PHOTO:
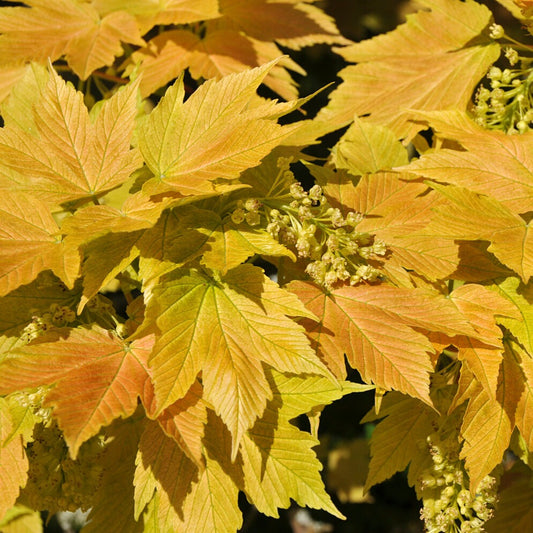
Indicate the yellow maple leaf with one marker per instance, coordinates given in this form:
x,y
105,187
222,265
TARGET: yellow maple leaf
x,y
212,135
61,155
50,30
13,461
150,13
212,327
433,61
114,375
374,328
490,162
29,243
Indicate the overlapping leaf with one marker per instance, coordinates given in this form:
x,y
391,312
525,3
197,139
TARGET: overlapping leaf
x,y
13,461
212,135
97,377
483,308
152,12
162,465
419,65
213,328
50,30
491,163
396,439
472,216
63,156
118,465
29,243
373,327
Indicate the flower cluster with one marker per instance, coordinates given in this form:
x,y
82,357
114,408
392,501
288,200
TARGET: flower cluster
x,y
56,482
306,222
449,506
508,104
56,316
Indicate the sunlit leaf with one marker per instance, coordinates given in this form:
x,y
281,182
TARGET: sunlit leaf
x,y
419,65
97,377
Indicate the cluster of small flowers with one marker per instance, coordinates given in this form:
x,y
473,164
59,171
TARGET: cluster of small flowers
x,y
56,482
306,222
448,505
56,316
508,104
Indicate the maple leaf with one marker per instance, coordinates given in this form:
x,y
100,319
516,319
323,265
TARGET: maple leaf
x,y
419,65
472,216
520,295
294,25
396,439
65,28
482,307
118,467
212,503
490,162
488,422
10,75
373,327
30,244
514,514
66,157
113,374
276,471
366,148
13,460
231,244
218,53
184,421
214,328
150,13
212,135
161,464
278,462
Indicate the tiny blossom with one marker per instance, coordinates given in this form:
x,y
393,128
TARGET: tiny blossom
x,y
252,218
238,215
315,193
352,218
512,55
496,31
297,191
283,163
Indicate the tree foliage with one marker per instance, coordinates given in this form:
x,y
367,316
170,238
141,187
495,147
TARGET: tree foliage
x,y
167,177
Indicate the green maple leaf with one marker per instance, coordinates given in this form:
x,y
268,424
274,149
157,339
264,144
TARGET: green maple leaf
x,y
113,374
64,156
419,65
212,327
